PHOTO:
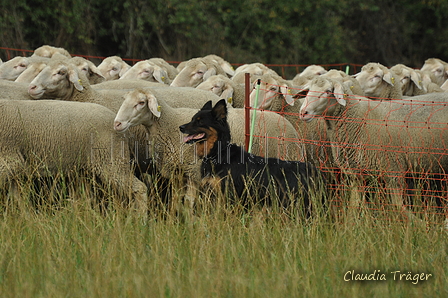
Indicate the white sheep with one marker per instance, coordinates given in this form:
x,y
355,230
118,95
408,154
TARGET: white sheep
x,y
388,139
275,95
93,74
437,67
32,71
225,88
48,51
354,85
379,82
254,69
195,71
13,90
411,81
226,66
153,70
312,70
127,84
162,121
12,68
61,79
52,137
113,67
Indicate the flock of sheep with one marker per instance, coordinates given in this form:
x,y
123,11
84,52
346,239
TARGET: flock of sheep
x,y
65,114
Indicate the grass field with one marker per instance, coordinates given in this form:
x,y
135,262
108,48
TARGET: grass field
x,y
73,249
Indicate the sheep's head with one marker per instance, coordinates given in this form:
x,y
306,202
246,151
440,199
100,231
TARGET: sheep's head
x,y
139,106
438,67
271,88
89,69
374,77
323,95
219,85
12,68
57,80
113,68
195,72
147,71
407,77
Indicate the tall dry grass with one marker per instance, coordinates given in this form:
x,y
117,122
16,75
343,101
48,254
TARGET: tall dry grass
x,y
58,241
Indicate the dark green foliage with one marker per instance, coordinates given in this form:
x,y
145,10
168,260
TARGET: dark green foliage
x,y
271,32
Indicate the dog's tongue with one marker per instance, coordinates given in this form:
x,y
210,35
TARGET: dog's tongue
x,y
193,137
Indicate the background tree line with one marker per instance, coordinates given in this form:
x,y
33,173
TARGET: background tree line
x,y
267,31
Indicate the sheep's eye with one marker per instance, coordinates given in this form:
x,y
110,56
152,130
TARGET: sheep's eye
x,y
273,88
200,72
61,72
114,69
84,69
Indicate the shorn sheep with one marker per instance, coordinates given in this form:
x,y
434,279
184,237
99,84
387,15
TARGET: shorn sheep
x,y
52,137
388,139
379,82
153,70
113,67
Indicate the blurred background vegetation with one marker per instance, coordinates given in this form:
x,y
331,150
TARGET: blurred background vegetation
x,y
266,31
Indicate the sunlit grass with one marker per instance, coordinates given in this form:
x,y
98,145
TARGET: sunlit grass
x,y
73,248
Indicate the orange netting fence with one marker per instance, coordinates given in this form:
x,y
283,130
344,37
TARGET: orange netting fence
x,y
401,154
390,154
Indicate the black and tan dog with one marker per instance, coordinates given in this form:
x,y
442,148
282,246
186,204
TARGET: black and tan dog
x,y
249,178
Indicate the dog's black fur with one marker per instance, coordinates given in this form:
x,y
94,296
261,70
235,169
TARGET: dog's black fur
x,y
253,179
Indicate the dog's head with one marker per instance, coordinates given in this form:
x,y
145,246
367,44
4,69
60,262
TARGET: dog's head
x,y
207,127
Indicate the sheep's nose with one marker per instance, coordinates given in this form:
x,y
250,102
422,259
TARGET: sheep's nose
x,y
117,125
32,87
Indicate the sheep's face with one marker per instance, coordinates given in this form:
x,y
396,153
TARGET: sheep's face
x,y
113,68
267,92
12,68
438,68
371,80
322,97
193,74
54,81
138,107
213,84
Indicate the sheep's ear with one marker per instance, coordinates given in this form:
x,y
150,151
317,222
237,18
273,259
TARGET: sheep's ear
x,y
74,79
160,75
210,72
219,111
415,77
286,92
124,68
96,73
208,106
389,78
227,93
153,105
339,93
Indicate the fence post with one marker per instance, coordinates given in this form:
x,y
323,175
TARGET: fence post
x,y
247,109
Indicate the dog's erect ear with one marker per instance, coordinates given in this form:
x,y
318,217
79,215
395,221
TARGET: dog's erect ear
x,y
208,106
219,111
